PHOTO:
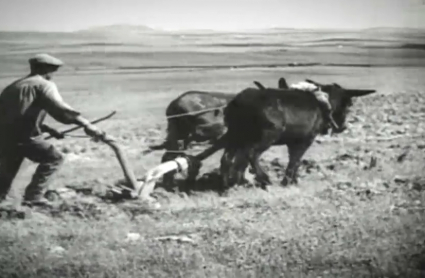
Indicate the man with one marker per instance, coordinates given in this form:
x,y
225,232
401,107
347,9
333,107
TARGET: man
x,y
24,105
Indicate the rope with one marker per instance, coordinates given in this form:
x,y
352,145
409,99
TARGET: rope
x,y
196,112
77,136
175,151
214,123
341,140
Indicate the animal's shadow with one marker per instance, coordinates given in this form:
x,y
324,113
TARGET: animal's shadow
x,y
212,181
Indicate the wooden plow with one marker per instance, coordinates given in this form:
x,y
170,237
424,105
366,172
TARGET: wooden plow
x,y
136,188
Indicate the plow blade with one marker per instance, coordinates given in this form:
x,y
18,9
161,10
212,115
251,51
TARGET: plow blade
x,y
142,188
146,185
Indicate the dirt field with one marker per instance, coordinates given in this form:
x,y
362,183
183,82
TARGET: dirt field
x,y
348,217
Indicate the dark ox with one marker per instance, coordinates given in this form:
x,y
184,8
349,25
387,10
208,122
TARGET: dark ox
x,y
195,116
258,119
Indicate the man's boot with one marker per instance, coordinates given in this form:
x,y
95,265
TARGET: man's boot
x,y
34,197
34,193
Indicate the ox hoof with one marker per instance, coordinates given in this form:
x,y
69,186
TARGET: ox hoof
x,y
262,182
286,181
224,193
262,185
183,195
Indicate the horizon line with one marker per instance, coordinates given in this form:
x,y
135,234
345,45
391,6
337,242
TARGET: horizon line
x,y
159,29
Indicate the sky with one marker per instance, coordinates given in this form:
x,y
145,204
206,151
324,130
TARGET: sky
x,y
72,15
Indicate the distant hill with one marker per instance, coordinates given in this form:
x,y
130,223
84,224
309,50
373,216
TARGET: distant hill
x,y
120,28
393,30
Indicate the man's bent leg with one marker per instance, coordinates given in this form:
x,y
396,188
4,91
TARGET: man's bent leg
x,y
50,160
9,168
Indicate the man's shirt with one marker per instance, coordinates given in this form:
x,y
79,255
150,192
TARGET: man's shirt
x,y
24,105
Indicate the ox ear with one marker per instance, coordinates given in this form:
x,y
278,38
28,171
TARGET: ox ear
x,y
259,85
282,83
359,93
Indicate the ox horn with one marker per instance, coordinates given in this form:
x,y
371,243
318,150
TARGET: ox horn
x,y
313,82
359,92
259,85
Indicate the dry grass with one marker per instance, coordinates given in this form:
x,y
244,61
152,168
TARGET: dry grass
x,y
343,220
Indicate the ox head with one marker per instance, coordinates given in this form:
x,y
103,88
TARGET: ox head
x,y
341,100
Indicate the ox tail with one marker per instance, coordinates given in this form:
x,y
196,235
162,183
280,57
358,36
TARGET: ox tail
x,y
175,125
218,145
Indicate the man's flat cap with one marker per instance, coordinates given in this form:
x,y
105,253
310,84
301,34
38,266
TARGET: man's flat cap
x,y
45,59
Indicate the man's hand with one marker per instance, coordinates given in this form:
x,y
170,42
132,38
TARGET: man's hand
x,y
93,132
89,128
56,134
53,132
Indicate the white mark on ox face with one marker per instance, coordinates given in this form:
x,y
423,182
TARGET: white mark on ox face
x,y
199,102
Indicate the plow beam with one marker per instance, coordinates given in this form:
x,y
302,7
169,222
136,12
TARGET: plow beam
x,y
148,185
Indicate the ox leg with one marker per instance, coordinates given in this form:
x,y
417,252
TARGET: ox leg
x,y
241,163
227,169
233,165
296,152
261,177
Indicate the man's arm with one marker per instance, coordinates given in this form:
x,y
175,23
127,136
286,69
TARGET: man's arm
x,y
56,107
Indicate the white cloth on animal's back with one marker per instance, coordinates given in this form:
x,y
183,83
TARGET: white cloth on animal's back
x,y
316,91
305,86
24,104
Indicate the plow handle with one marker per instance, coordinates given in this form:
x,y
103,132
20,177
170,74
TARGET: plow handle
x,y
125,166
78,127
